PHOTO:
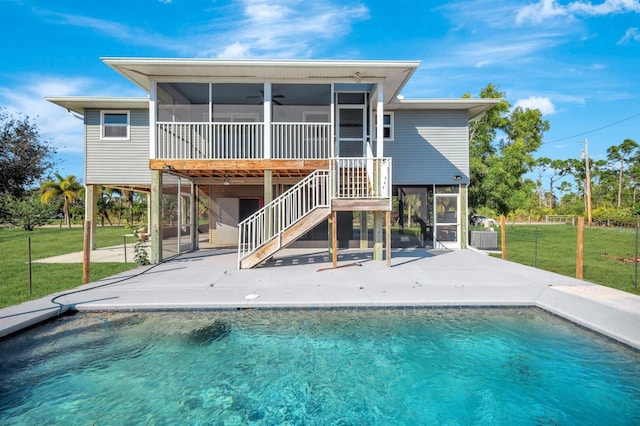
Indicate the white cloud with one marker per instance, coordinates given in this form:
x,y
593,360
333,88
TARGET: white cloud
x,y
631,35
26,97
281,29
545,9
249,28
235,51
545,105
608,7
540,11
117,30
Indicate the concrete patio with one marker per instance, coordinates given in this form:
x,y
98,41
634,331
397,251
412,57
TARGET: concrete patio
x,y
305,278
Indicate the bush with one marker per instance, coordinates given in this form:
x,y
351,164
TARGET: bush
x,y
614,216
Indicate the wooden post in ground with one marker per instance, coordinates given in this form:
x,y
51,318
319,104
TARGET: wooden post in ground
x,y
155,233
86,253
388,236
503,237
91,212
364,231
334,237
378,220
580,248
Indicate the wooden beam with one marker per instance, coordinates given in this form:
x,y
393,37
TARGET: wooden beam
x,y
230,165
359,205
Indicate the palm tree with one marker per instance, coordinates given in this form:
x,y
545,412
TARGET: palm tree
x,y
66,188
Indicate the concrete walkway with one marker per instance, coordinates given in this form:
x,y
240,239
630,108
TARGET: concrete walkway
x,y
209,279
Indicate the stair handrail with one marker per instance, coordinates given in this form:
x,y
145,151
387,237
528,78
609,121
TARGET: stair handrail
x,y
282,212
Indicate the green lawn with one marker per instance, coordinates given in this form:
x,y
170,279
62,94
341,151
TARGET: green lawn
x,y
50,278
605,252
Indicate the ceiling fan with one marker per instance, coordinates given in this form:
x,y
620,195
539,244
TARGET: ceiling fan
x,y
274,98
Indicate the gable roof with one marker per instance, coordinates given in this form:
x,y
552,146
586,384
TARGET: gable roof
x,y
141,71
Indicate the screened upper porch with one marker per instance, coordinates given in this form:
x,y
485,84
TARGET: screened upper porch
x,y
231,121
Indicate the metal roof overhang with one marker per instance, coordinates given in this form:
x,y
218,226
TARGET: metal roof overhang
x,y
474,107
394,74
79,103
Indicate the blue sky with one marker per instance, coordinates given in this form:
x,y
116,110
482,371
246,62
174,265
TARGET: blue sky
x,y
577,61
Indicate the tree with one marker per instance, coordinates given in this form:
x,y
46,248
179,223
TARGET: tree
x,y
482,133
497,165
65,189
620,156
24,156
558,169
28,211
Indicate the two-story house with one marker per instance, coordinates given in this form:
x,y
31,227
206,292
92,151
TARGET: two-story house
x,y
279,150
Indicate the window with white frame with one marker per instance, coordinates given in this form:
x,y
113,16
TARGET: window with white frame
x,y
115,125
387,125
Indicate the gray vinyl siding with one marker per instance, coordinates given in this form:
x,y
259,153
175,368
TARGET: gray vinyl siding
x,y
117,162
429,147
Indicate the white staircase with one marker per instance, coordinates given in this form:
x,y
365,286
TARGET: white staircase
x,y
284,219
357,184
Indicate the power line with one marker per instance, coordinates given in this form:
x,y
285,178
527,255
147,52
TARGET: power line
x,y
594,130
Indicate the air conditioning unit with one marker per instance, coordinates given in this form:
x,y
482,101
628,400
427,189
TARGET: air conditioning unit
x,y
484,240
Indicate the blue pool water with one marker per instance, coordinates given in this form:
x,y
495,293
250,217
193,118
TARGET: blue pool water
x,y
343,367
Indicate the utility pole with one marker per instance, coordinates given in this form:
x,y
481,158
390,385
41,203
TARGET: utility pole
x,y
587,180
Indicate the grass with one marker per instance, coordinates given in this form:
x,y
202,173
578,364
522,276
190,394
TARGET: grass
x,y
49,278
607,258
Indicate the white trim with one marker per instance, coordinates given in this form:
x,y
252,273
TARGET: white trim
x,y
115,112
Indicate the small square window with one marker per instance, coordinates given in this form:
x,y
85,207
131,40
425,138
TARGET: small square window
x,y
115,125
387,126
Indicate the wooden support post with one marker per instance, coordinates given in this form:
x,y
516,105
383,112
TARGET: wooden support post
x,y
334,237
378,220
91,204
156,216
364,231
86,253
503,237
388,225
580,248
268,197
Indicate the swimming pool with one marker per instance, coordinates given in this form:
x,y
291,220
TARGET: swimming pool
x,y
394,366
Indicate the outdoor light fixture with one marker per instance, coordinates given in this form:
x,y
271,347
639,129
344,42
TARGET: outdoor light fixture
x,y
226,181
457,177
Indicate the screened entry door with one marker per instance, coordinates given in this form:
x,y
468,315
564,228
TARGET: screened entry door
x,y
447,207
352,124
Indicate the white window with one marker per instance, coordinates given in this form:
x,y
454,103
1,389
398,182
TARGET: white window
x,y
387,126
115,125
